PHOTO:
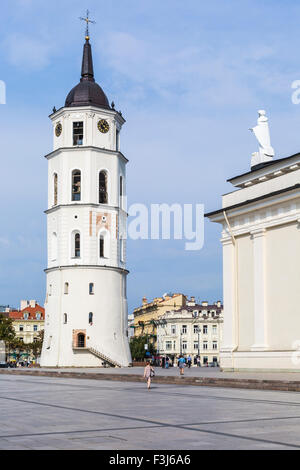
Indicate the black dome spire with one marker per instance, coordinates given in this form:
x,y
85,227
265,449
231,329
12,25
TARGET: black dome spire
x,y
87,92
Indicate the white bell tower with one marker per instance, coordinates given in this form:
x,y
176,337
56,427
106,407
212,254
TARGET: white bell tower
x,y
86,305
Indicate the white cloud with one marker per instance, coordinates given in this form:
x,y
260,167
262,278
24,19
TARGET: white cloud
x,y
217,75
28,52
4,242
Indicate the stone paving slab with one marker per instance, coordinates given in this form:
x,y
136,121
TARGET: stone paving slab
x,y
193,376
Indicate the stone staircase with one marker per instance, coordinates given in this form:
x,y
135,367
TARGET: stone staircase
x,y
104,358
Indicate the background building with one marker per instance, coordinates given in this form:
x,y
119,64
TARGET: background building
x,y
5,309
130,325
146,316
29,321
195,330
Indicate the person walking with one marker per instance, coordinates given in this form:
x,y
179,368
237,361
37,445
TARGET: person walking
x,y
189,361
181,364
148,374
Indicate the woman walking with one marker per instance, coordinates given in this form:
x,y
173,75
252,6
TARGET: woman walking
x,y
181,364
148,373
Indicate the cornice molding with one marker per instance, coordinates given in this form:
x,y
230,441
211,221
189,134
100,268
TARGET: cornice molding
x,y
86,204
259,232
86,147
83,109
85,266
258,202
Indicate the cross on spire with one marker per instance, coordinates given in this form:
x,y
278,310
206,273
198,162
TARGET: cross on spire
x,y
88,21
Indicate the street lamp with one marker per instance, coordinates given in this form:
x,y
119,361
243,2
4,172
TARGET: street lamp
x,y
180,342
198,331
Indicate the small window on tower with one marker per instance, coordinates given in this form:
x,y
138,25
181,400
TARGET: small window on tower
x,y
77,245
65,318
66,288
103,199
76,185
91,289
78,133
91,317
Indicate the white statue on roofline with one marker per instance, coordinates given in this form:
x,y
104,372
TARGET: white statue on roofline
x,y
262,133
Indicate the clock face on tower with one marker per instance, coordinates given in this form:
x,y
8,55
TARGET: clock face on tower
x,y
58,129
103,126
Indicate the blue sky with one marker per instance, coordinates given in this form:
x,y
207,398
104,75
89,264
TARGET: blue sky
x,y
188,76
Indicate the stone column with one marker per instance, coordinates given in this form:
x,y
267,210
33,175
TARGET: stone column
x,y
230,331
260,314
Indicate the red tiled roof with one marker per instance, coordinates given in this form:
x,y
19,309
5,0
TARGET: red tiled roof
x,y
32,311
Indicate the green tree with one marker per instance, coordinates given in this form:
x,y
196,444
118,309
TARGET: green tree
x,y
7,331
137,347
36,346
18,346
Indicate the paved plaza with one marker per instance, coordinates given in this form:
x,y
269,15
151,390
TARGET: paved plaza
x,y
57,413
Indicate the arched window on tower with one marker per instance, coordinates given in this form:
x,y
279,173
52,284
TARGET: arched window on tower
x,y
66,291
55,192
76,245
91,317
102,245
122,250
91,289
54,247
117,140
76,185
81,340
121,191
103,196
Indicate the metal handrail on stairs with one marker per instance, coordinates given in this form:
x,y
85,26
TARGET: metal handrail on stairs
x,y
104,357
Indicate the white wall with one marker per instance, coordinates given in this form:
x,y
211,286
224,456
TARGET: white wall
x,y
283,286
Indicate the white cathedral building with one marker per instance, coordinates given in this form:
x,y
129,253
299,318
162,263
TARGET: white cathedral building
x,y
261,262
86,318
